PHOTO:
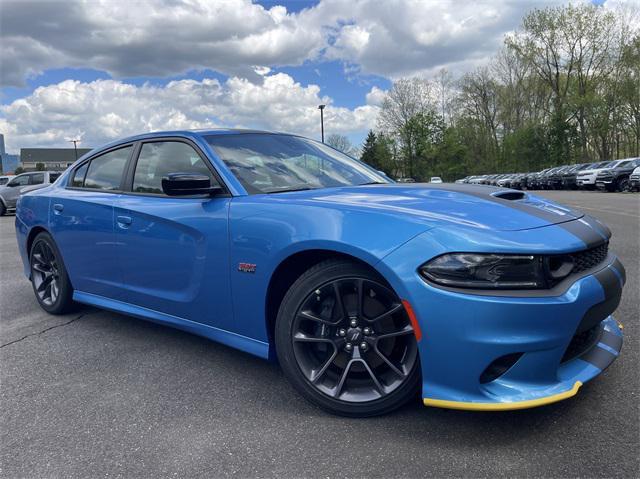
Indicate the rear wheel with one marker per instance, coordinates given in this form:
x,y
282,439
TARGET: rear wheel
x,y
49,277
345,341
3,209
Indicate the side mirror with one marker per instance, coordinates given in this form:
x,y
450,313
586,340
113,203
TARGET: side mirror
x,y
188,184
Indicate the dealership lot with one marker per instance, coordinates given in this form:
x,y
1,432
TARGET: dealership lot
x,y
97,393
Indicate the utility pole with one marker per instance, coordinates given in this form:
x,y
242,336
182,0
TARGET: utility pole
x,y
75,147
321,108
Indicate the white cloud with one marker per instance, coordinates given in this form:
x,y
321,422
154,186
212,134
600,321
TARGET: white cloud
x,y
151,37
391,38
104,110
376,96
398,38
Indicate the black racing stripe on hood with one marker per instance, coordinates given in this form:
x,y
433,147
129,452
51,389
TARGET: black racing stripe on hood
x,y
597,225
485,192
588,233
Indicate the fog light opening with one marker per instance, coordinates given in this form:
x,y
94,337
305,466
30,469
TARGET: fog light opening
x,y
498,367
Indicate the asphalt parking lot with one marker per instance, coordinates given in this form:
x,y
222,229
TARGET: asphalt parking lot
x,y
101,394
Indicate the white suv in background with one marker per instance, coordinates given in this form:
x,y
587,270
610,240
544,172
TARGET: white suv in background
x,y
634,179
587,178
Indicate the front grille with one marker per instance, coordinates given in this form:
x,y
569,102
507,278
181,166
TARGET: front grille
x,y
587,259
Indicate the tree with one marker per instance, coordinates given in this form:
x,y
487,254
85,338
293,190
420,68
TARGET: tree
x,y
40,167
377,152
341,143
406,99
18,170
368,154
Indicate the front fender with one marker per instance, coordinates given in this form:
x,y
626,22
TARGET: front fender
x,y
265,235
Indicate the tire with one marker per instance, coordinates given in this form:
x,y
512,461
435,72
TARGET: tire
x,y
49,277
622,184
335,327
3,209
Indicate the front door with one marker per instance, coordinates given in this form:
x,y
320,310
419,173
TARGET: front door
x,y
173,251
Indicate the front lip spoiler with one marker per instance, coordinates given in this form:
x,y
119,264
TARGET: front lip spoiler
x,y
503,406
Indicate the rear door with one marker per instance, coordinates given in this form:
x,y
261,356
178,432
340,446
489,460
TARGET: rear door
x,y
82,222
173,251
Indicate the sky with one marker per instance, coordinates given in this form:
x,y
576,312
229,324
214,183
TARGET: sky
x,y
99,70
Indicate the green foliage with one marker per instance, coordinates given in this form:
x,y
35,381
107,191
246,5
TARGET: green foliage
x,y
564,89
40,167
18,170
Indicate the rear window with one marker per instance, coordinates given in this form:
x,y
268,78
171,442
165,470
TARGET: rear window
x,y
105,171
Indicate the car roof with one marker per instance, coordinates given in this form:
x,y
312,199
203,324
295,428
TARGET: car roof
x,y
183,133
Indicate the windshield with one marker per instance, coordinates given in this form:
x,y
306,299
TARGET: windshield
x,y
272,163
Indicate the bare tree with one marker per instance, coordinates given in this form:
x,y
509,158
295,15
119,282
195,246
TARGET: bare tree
x,y
341,143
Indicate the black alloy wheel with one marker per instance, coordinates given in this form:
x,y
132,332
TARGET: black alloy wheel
x,y
49,277
623,184
345,341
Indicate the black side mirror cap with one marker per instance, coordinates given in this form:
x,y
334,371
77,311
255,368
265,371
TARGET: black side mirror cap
x,y
189,184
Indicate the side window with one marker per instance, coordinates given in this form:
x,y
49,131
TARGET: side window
x,y
158,159
105,171
37,178
53,177
21,180
78,176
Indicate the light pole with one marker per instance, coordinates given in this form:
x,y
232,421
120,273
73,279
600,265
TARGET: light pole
x,y
321,108
75,147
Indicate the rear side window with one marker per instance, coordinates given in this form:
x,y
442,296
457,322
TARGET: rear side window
x,y
158,159
37,178
53,177
105,171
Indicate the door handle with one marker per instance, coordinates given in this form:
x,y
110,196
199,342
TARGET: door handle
x,y
124,221
57,208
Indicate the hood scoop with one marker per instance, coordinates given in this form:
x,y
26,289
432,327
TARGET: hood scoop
x,y
510,195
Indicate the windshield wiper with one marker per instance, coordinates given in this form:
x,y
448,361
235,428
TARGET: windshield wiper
x,y
374,183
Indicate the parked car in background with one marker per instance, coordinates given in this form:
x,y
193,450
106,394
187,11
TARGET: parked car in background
x,y
617,178
10,192
586,178
405,180
435,179
634,179
569,176
5,179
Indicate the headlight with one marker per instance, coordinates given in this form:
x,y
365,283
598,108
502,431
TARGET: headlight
x,y
487,271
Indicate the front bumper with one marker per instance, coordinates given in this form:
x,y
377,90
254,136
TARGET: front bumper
x,y
603,183
463,334
586,180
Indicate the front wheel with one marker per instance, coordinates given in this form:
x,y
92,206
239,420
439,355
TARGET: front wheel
x,y
49,277
623,184
345,342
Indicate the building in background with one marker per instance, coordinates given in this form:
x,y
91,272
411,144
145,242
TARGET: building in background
x,y
8,163
51,158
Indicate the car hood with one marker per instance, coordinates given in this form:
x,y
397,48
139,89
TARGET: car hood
x,y
436,205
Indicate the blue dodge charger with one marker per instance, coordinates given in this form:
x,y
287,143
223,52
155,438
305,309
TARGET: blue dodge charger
x,y
365,291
